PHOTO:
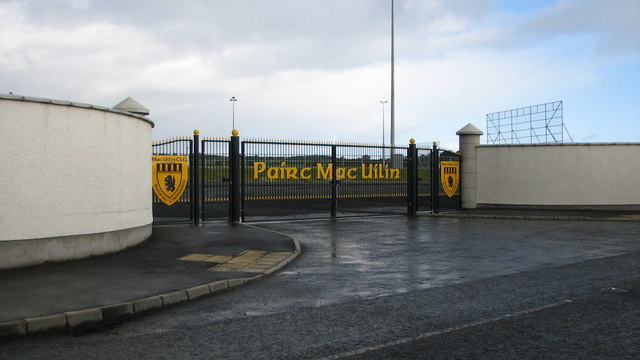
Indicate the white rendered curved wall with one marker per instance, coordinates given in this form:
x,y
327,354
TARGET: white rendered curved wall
x,y
74,180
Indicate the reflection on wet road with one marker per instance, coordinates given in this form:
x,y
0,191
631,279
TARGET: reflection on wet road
x,y
377,256
379,287
383,255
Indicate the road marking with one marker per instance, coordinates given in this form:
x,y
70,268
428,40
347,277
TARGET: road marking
x,y
444,331
624,217
253,261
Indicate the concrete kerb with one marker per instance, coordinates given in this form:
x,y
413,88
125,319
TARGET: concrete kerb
x,y
78,320
290,258
82,318
526,217
48,323
117,312
13,328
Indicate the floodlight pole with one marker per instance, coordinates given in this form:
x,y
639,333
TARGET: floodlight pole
x,y
233,112
383,102
392,139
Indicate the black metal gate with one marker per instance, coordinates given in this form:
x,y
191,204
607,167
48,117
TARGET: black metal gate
x,y
372,179
257,180
286,180
425,164
215,178
446,200
313,180
182,210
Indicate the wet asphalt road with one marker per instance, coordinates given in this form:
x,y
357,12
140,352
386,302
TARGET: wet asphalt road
x,y
404,288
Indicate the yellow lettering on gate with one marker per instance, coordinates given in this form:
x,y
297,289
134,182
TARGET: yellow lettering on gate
x,y
305,173
258,167
273,173
364,171
292,173
322,173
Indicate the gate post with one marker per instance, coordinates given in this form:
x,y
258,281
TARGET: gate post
x,y
435,178
413,178
242,181
469,139
334,182
195,183
234,171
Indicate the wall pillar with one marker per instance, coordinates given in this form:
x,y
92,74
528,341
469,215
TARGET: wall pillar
x,y
469,139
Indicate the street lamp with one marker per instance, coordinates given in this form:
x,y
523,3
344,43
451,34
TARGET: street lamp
x,y
383,102
233,114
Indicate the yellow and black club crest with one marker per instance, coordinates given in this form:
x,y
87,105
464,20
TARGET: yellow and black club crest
x,y
450,177
170,175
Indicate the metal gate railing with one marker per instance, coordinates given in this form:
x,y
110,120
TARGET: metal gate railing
x,y
424,175
255,180
446,177
375,179
215,178
285,180
182,210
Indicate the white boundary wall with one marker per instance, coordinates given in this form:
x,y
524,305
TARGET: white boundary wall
x,y
75,180
564,175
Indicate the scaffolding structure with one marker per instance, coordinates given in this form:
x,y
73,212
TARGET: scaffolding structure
x,y
535,124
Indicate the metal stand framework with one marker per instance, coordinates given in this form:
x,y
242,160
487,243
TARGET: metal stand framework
x,y
528,125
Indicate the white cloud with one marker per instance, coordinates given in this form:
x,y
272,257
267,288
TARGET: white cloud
x,y
317,70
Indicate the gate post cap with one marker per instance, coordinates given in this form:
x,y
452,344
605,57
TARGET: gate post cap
x,y
412,141
469,130
196,132
234,132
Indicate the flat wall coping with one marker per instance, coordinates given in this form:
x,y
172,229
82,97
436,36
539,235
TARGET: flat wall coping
x,y
73,104
563,144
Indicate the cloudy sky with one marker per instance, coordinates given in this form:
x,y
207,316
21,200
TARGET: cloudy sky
x,y
318,69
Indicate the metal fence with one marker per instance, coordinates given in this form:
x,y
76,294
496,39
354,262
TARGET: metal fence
x,y
182,210
373,181
215,178
442,200
256,180
424,179
285,180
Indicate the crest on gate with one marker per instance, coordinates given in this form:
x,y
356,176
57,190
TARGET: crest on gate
x,y
170,175
450,176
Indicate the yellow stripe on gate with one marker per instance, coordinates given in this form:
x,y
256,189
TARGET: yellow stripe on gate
x,y
308,197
